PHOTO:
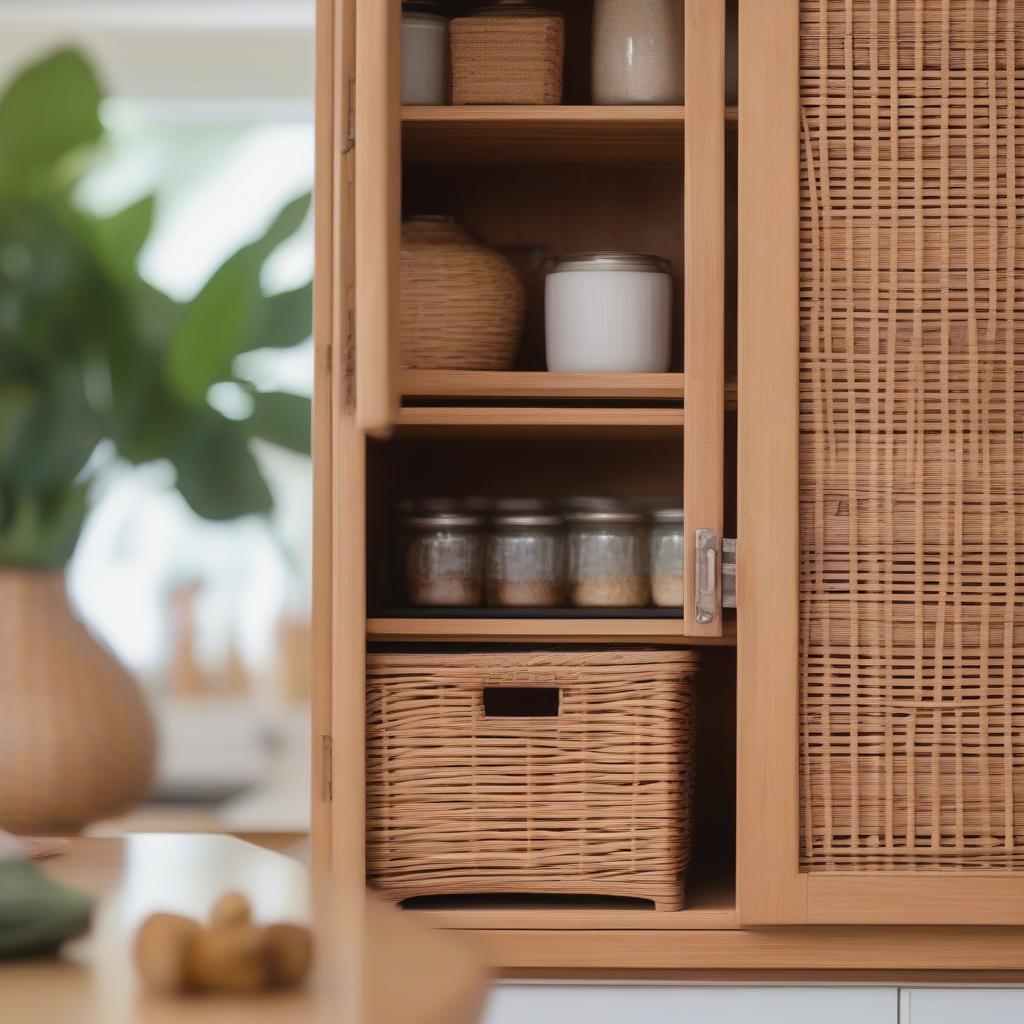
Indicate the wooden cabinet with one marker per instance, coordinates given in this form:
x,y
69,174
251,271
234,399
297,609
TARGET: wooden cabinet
x,y
842,399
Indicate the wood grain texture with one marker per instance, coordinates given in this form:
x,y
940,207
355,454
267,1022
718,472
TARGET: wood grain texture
x,y
874,949
551,418
348,490
323,427
769,886
704,292
378,214
664,631
644,136
468,384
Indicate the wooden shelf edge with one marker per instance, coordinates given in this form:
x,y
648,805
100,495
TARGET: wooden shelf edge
x,y
662,631
560,114
470,416
574,113
540,385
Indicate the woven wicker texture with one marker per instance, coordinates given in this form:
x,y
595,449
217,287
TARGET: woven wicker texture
x,y
462,304
912,451
76,739
595,801
507,60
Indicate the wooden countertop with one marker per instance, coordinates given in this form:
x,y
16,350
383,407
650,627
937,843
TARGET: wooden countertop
x,y
373,964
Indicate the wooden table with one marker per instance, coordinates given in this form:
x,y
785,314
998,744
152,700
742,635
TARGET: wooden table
x,y
373,964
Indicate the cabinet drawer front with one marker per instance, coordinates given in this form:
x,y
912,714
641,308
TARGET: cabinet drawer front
x,y
960,1006
608,1004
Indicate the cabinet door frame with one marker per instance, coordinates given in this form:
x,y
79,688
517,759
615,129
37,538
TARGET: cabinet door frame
x,y
339,451
771,888
704,291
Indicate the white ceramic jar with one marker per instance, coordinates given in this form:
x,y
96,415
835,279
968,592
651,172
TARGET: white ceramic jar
x,y
424,49
637,53
608,313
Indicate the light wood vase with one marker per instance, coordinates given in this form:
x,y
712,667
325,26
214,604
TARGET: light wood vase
x,y
77,742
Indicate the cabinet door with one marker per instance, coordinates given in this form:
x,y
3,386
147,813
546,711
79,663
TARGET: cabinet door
x,y
375,135
704,313
960,1005
881,472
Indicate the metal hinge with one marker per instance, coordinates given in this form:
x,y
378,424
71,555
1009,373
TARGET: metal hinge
x,y
326,769
715,575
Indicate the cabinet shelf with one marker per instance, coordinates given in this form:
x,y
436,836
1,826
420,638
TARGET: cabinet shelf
x,y
710,905
523,421
644,135
542,630
472,385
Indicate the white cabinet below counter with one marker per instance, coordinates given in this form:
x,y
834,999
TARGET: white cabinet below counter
x,y
563,1003
961,1005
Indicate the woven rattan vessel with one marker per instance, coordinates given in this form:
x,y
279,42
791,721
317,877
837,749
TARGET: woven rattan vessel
x,y
912,436
588,792
76,739
462,305
507,59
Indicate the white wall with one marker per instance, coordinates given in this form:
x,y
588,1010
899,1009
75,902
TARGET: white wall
x,y
212,53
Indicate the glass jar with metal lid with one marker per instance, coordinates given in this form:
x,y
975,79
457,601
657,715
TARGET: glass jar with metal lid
x,y
666,545
608,312
444,560
525,561
608,563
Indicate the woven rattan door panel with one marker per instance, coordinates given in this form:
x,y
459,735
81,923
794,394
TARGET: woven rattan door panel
x,y
911,452
879,676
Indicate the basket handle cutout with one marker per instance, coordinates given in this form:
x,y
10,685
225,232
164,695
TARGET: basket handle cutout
x,y
521,701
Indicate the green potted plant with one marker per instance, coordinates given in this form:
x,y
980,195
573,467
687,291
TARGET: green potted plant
x,y
94,360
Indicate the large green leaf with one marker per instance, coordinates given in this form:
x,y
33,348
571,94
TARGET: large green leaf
x,y
287,319
217,474
39,532
56,437
227,316
50,109
120,238
281,419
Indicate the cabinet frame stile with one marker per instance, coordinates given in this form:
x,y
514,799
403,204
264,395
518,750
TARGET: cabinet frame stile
x,y
704,294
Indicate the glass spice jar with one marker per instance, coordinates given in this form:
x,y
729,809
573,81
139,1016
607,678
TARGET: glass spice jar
x,y
525,562
666,544
608,559
444,560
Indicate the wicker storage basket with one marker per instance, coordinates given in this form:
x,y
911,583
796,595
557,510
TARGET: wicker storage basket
x,y
541,772
462,304
507,59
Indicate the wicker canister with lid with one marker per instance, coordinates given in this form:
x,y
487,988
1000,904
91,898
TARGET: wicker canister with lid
x,y
462,304
507,51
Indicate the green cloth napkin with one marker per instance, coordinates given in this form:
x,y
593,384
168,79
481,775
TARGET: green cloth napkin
x,y
37,915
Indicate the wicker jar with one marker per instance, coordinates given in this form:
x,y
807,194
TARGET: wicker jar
x,y
76,740
508,52
462,303
545,772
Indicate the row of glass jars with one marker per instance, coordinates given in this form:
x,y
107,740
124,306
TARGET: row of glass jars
x,y
522,554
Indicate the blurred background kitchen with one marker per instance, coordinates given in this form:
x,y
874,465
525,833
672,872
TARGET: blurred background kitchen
x,y
155,371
